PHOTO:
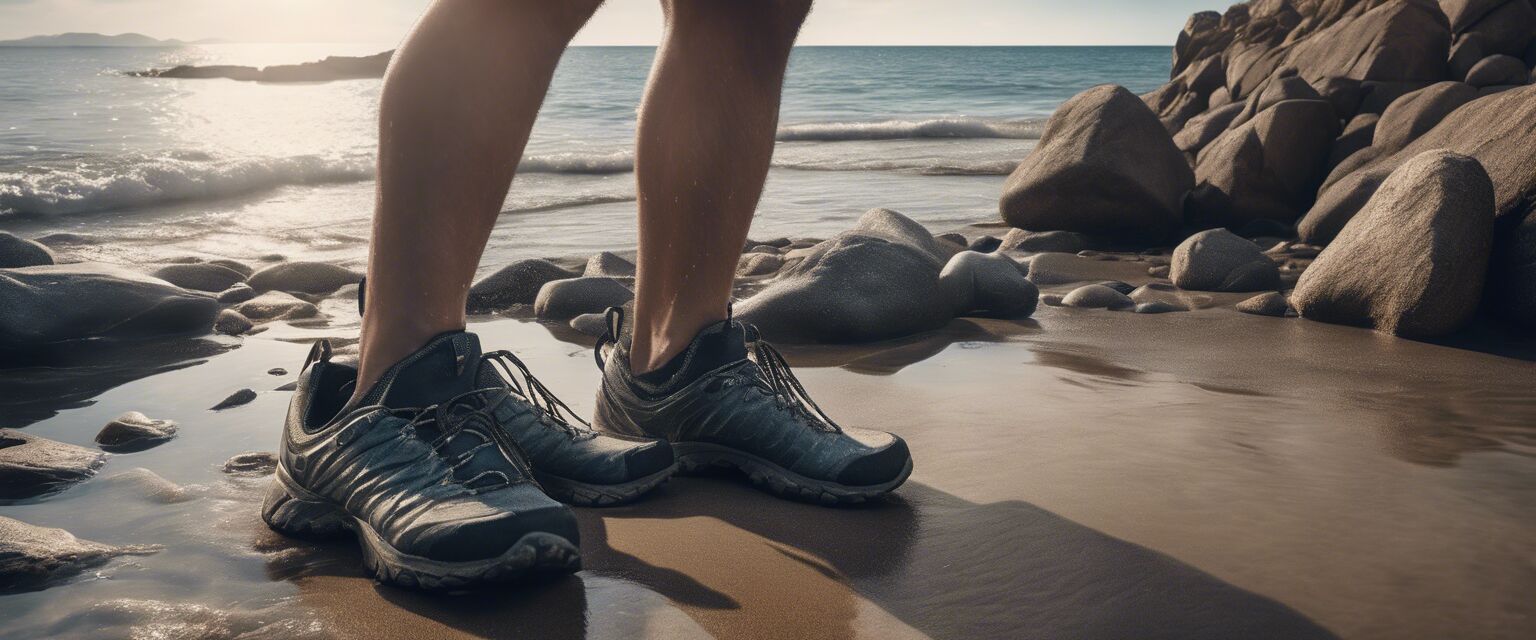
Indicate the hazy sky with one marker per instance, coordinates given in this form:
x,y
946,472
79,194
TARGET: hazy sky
x,y
621,21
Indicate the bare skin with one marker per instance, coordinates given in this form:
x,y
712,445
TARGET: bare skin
x,y
458,104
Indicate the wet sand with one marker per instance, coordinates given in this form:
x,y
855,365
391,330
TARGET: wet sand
x,y
1086,474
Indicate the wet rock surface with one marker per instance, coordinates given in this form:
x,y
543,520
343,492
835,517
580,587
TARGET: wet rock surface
x,y
21,252
241,397
251,463
33,557
303,277
32,466
134,431
44,305
516,283
564,299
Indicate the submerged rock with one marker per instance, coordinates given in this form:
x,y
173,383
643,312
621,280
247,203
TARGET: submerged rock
x,y
134,431
204,276
516,283
1412,263
318,278
21,252
1097,296
31,466
1218,260
251,463
565,299
231,323
34,557
277,305
44,305
1104,166
243,396
237,293
1158,306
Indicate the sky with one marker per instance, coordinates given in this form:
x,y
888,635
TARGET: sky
x,y
622,22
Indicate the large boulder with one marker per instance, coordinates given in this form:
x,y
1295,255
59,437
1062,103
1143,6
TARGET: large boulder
x,y
516,283
21,252
1202,37
1268,168
1496,130
566,299
878,280
201,276
1218,260
1405,40
31,466
316,278
608,264
1202,129
1105,165
34,557
1410,116
1505,27
1497,70
45,305
1412,263
1272,92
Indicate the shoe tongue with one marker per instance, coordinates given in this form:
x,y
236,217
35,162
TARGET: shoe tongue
x,y
447,366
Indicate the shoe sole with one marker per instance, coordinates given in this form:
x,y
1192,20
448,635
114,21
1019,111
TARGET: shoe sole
x,y
696,457
292,511
586,494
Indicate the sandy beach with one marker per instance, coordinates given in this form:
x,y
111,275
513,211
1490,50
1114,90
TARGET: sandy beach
x,y
1202,474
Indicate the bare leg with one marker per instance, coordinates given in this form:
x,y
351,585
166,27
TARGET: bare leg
x,y
705,138
458,103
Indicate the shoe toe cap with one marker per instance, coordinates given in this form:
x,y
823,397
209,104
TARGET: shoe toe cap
x,y
489,536
882,465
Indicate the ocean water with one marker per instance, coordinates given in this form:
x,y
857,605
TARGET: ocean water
x,y
161,168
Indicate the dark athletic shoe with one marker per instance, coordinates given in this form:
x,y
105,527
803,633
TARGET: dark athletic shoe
x,y
749,413
573,463
437,495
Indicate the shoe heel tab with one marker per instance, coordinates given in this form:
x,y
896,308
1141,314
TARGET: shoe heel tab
x,y
320,352
613,318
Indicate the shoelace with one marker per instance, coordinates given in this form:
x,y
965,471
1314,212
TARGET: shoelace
x,y
450,424
785,386
782,383
552,410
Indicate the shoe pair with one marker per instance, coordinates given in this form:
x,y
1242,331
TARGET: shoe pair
x,y
449,469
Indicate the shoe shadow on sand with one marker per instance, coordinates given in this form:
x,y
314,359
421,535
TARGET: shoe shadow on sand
x,y
922,562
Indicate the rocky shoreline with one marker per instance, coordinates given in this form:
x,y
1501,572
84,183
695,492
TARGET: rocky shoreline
x,y
1358,163
326,70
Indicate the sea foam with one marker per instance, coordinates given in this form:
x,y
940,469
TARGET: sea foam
x,y
906,129
133,182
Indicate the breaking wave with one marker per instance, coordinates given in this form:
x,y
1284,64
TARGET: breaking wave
x,y
906,129
140,182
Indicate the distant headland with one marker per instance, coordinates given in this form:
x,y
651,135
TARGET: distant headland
x,y
101,40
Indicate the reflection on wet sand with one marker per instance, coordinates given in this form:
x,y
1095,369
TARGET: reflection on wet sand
x,y
1094,474
73,375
